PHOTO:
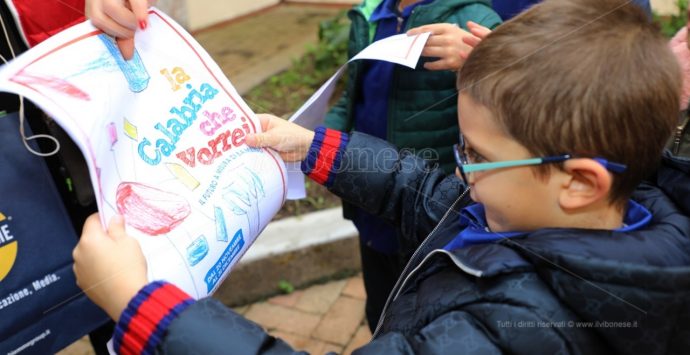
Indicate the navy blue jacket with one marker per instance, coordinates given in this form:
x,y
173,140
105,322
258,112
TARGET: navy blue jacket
x,y
554,291
509,8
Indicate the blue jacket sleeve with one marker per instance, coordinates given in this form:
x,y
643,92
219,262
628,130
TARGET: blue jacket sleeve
x,y
209,327
370,173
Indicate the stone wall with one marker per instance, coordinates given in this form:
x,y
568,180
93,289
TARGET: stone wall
x,y
198,14
664,7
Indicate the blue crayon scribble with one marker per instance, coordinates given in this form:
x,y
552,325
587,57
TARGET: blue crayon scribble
x,y
221,229
197,250
105,62
242,197
134,70
216,271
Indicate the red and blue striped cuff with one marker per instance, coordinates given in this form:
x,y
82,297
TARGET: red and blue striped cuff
x,y
325,155
143,323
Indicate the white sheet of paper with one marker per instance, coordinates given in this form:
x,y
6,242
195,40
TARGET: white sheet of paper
x,y
400,49
163,136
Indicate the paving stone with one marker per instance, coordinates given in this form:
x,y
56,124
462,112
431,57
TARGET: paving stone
x,y
288,300
80,347
310,345
241,310
342,320
355,288
362,336
250,49
319,298
273,317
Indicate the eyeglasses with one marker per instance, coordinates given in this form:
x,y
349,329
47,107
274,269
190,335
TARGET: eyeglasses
x,y
466,167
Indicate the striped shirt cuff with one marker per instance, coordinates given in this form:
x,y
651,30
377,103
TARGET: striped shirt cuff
x,y
325,155
149,313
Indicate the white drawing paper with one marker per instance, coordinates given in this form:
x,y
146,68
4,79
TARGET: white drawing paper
x,y
400,49
163,136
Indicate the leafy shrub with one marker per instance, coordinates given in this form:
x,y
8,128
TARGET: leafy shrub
x,y
670,24
284,93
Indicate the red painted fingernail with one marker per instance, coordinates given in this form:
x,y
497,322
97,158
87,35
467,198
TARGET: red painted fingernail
x,y
143,24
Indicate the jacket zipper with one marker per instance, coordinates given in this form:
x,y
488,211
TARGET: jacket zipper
x,y
400,22
678,137
399,286
389,123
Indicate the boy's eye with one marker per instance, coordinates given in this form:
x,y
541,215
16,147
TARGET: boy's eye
x,y
474,157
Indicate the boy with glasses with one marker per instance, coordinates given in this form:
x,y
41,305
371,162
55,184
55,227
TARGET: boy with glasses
x,y
575,239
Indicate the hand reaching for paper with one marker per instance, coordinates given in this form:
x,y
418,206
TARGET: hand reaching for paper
x,y
449,43
119,19
291,141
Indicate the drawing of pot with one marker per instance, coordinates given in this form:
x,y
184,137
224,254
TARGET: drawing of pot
x,y
150,210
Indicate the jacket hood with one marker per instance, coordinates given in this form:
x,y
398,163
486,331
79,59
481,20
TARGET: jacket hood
x,y
631,288
674,179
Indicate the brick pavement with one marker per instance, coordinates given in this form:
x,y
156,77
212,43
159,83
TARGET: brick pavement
x,y
321,318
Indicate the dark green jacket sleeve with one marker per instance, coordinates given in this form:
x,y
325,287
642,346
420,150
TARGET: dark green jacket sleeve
x,y
337,117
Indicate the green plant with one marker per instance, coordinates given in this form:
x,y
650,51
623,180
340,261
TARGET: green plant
x,y
670,24
331,51
285,287
284,93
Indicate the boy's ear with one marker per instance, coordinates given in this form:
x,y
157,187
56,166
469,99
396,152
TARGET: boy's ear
x,y
587,182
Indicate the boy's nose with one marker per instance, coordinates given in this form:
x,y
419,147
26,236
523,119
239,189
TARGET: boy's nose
x,y
470,178
469,181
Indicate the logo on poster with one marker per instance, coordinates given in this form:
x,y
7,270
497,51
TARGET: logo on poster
x,y
8,247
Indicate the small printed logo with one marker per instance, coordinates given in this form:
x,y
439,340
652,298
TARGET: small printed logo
x,y
8,247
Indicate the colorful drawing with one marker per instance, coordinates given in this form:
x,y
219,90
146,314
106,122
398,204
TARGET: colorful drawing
x,y
197,250
242,196
163,136
150,210
183,175
104,62
221,229
134,70
60,85
131,130
112,133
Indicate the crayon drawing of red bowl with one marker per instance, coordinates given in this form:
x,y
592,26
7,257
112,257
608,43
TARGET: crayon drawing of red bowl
x,y
150,210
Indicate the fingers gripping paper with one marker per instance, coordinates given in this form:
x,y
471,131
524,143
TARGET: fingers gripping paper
x,y
163,135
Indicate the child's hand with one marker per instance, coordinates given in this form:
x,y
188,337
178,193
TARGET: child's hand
x,y
445,43
451,44
478,32
119,19
291,141
109,267
679,46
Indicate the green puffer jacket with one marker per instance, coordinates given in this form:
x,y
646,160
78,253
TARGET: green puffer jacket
x,y
422,106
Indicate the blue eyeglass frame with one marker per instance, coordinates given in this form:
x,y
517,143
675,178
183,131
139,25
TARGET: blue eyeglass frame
x,y
465,167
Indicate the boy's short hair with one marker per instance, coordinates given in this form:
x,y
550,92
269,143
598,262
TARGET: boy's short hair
x,y
585,77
